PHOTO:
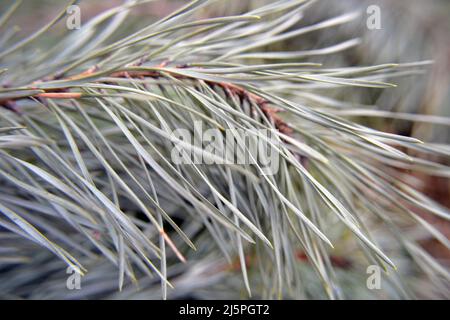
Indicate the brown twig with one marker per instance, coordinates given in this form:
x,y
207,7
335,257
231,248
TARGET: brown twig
x,y
60,95
336,261
269,111
63,93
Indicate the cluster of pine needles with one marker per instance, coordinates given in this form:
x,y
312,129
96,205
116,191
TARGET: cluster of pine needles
x,y
87,180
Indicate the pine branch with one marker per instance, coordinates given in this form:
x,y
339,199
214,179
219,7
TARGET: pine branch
x,y
89,181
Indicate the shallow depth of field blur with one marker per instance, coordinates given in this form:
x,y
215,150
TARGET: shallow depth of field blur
x,y
412,30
